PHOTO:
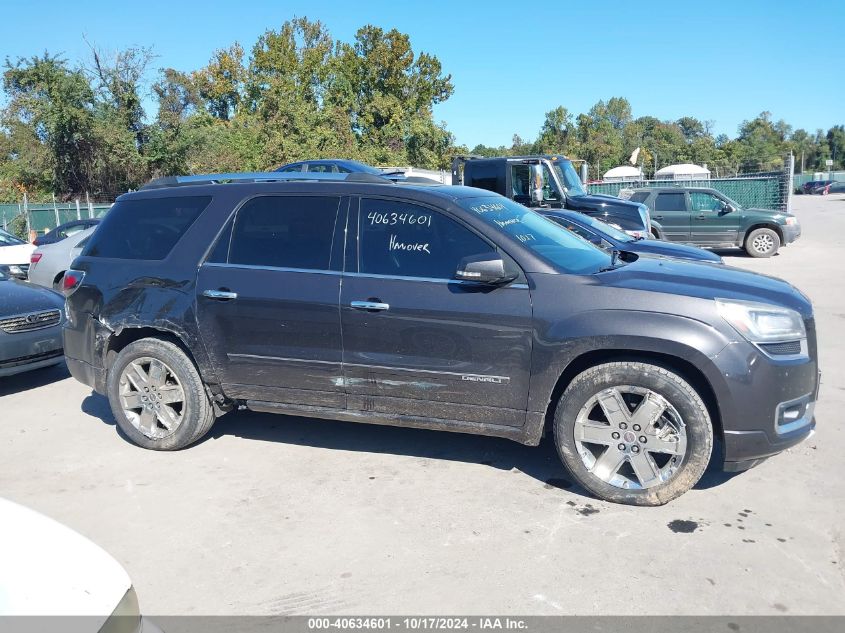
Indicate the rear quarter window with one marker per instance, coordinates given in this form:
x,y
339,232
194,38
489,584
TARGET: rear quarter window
x,y
145,229
639,196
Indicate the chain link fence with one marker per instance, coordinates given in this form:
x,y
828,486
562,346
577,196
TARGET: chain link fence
x,y
764,190
23,217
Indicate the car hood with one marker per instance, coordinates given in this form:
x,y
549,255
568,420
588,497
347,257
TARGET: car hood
x,y
775,215
670,249
705,280
597,203
20,297
17,254
48,569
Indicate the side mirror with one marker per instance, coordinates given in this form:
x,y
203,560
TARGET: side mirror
x,y
488,268
536,184
728,208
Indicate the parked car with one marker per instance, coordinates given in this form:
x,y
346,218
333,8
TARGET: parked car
x,y
14,255
548,182
706,217
816,187
336,166
439,307
65,230
48,263
610,238
55,573
30,326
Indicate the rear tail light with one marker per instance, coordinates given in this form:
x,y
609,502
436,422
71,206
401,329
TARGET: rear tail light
x,y
71,281
35,258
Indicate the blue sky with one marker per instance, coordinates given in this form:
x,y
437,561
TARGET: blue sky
x,y
513,61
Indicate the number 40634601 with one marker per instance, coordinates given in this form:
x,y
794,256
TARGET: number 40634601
x,y
391,218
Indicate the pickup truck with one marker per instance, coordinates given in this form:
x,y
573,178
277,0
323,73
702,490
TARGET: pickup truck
x,y
550,182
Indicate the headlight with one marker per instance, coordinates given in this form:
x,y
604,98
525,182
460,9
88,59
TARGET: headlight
x,y
762,322
791,221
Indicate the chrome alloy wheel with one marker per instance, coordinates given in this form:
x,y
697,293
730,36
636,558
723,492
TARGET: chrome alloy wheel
x,y
763,243
152,397
630,437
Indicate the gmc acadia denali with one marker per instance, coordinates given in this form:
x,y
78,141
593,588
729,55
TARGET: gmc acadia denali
x,y
443,307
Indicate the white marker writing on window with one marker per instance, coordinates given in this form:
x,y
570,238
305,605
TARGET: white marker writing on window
x,y
396,245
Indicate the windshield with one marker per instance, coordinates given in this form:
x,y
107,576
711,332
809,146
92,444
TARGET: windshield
x,y
607,229
569,178
551,242
7,239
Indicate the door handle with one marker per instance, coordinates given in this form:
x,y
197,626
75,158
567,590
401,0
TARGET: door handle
x,y
699,217
221,295
375,306
658,217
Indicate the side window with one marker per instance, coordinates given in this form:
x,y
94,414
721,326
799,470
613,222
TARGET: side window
x,y
483,176
670,202
401,239
702,201
521,183
550,191
321,168
639,196
291,168
285,232
146,228
220,253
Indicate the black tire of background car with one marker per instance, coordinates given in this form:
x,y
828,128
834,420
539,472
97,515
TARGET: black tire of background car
x,y
749,241
666,383
198,416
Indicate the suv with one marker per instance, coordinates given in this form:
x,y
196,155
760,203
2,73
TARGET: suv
x,y
548,182
440,307
706,217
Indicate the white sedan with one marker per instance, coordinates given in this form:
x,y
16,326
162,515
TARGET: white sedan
x,y
48,569
14,255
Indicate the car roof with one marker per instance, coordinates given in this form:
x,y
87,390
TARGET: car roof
x,y
331,184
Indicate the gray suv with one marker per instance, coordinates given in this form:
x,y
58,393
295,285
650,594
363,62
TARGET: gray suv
x,y
441,307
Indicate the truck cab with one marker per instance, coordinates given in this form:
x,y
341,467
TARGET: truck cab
x,y
548,182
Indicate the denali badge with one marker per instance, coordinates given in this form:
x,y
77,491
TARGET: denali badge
x,y
498,380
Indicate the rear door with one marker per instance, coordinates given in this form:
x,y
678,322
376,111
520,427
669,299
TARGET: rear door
x,y
267,301
710,223
416,341
671,212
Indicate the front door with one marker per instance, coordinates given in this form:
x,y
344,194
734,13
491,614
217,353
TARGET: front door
x,y
416,341
672,214
267,302
710,223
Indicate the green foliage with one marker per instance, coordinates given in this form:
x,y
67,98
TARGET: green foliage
x,y
297,93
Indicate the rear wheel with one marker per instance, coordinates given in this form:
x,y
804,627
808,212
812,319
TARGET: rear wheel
x,y
762,243
157,396
633,433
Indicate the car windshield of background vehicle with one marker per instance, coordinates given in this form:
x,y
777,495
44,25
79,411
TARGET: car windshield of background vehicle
x,y
569,177
7,239
545,238
604,227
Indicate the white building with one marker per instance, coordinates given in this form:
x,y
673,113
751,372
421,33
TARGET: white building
x,y
683,172
623,173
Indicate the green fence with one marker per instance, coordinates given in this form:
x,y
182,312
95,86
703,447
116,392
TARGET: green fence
x,y
46,216
761,191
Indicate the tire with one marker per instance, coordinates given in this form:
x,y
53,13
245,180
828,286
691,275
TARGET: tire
x,y
762,243
157,396
681,435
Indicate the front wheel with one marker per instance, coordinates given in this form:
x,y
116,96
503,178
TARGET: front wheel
x,y
762,243
157,396
633,433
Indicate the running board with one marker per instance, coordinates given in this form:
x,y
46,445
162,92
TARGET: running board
x,y
390,419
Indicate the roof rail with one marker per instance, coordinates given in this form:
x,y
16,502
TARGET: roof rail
x,y
206,179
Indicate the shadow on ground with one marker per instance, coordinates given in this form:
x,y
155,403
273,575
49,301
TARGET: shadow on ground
x,y
539,462
33,379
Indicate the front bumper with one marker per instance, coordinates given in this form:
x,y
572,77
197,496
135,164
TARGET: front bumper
x,y
24,351
791,232
767,404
